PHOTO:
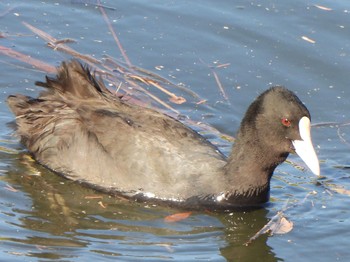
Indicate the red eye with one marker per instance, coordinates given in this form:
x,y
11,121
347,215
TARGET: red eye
x,y
286,122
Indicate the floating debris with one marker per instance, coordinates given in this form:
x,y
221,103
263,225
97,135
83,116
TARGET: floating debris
x,y
307,39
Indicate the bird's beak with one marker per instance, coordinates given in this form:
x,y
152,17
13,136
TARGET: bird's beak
x,y
304,147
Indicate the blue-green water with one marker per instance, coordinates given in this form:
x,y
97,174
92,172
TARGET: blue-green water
x,y
300,44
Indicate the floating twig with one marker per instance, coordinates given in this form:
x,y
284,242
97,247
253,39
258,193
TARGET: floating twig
x,y
174,98
307,39
324,8
10,188
221,88
27,59
101,204
93,197
116,39
154,97
217,80
278,224
6,11
61,47
341,136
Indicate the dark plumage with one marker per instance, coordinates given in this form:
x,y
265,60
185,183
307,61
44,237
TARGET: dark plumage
x,y
79,129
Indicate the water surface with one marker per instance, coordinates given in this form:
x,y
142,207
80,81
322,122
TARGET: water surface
x,y
300,44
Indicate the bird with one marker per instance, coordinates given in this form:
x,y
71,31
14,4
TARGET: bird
x,y
79,129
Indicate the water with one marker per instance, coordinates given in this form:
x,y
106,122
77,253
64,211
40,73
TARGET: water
x,y
44,217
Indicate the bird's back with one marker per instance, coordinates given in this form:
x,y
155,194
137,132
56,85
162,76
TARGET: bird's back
x,y
79,129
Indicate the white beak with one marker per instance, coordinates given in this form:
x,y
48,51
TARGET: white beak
x,y
304,147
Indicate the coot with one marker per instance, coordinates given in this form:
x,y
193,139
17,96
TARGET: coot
x,y
79,129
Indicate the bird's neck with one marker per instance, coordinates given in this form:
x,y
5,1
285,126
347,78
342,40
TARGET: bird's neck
x,y
249,169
